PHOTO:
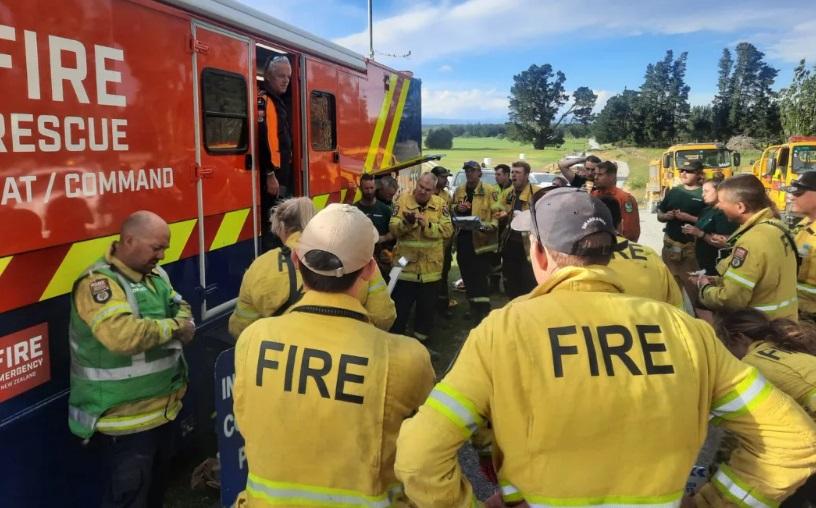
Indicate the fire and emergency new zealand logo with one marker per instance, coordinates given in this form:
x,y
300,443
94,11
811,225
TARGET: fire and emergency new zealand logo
x,y
100,290
24,361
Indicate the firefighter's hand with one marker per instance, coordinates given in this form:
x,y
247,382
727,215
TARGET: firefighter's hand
x,y
272,185
410,217
717,240
500,215
186,331
667,216
692,230
421,220
688,502
701,280
683,216
463,207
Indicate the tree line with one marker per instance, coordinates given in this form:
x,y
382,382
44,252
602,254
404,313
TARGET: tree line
x,y
658,113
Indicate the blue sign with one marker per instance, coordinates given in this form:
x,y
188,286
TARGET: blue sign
x,y
231,452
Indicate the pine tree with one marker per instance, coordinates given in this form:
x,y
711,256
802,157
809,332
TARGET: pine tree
x,y
722,100
618,121
798,103
662,104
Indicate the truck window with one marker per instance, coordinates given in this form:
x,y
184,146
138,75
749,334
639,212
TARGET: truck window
x,y
804,158
323,121
226,123
783,160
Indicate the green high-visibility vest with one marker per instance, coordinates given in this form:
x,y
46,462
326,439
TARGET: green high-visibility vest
x,y
101,380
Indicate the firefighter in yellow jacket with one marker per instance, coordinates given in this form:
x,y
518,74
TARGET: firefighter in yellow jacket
x,y
443,293
514,246
476,241
271,284
320,393
785,353
128,373
421,223
761,270
598,398
639,268
803,191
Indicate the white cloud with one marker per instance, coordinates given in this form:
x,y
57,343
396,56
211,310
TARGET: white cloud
x,y
600,102
796,44
466,104
445,68
483,26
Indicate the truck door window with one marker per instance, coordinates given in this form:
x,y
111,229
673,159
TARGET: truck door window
x,y
783,160
323,120
226,122
804,158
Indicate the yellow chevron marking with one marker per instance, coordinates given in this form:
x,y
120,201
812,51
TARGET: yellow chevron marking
x,y
380,125
230,228
320,201
179,235
358,195
4,262
81,255
343,193
395,124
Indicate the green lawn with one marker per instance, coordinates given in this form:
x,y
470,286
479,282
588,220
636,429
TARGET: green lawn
x,y
504,151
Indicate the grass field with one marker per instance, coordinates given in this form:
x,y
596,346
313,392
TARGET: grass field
x,y
506,151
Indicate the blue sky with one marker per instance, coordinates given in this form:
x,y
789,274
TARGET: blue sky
x,y
467,51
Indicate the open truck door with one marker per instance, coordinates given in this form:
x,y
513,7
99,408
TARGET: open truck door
x,y
226,181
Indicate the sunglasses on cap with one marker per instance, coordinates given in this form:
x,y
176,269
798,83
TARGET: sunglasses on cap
x,y
537,195
798,191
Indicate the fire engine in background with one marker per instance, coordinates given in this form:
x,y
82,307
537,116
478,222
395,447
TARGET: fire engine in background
x,y
111,106
665,172
781,164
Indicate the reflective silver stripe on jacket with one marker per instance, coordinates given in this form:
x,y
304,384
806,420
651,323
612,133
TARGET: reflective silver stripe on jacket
x,y
668,504
139,367
85,419
297,494
773,307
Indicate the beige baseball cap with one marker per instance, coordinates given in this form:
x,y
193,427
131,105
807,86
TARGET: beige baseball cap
x,y
342,230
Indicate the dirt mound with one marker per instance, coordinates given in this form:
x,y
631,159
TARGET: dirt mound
x,y
743,143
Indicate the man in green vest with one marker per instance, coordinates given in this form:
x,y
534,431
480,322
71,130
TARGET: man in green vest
x,y
128,373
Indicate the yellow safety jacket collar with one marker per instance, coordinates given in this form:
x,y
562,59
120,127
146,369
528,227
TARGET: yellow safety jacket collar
x,y
342,302
762,215
411,203
589,279
121,267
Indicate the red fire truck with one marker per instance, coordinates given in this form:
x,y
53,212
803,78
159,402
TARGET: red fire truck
x,y
111,106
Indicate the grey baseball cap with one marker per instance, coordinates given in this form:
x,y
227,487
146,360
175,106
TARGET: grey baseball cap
x,y
563,217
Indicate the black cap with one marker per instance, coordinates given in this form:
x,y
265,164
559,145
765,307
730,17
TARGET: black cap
x,y
564,217
471,165
696,166
440,171
806,182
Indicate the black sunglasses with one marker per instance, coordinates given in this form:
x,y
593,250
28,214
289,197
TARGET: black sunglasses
x,y
540,193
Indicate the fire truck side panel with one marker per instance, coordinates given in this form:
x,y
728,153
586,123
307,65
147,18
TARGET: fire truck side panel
x,y
98,120
225,99
324,108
